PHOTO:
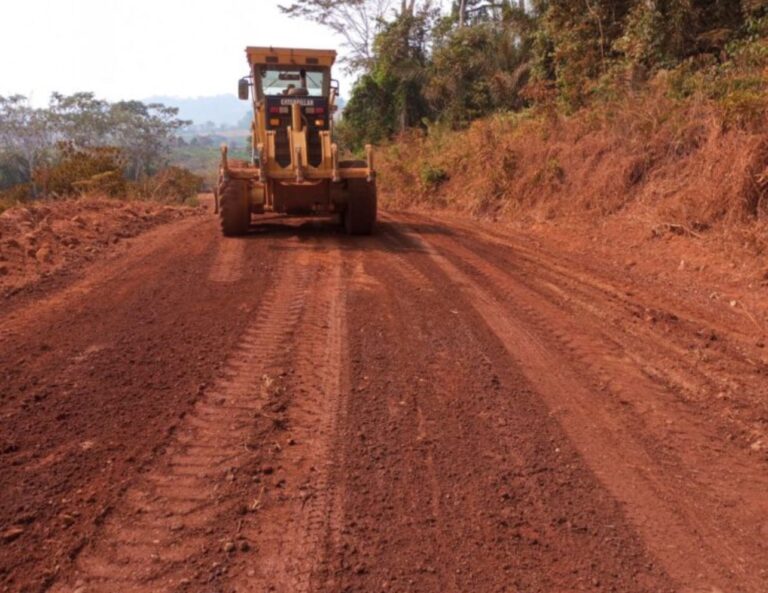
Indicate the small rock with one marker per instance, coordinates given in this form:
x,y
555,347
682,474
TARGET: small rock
x,y
26,518
244,546
43,255
11,534
229,547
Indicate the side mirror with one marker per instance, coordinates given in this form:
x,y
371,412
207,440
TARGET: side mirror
x,y
243,90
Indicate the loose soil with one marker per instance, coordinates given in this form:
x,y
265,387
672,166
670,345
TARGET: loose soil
x,y
46,239
445,406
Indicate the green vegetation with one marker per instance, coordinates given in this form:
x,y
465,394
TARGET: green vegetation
x,y
201,154
79,144
418,64
432,176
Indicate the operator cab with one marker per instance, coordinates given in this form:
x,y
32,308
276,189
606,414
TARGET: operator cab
x,y
282,78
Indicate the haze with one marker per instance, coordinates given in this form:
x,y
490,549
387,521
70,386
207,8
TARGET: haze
x,y
142,48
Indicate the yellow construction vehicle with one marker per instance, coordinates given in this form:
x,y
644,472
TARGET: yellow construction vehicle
x,y
294,167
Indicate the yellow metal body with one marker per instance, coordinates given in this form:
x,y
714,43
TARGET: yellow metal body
x,y
280,181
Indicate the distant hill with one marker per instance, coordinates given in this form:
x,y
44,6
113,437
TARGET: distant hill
x,y
225,110
222,110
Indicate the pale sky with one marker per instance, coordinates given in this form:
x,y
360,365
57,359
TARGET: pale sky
x,y
134,49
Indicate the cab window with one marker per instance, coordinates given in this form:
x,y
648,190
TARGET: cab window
x,y
282,81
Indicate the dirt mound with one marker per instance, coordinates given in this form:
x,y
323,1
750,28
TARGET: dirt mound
x,y
39,240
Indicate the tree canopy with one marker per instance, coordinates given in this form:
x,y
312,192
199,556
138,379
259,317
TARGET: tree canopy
x,y
31,137
418,63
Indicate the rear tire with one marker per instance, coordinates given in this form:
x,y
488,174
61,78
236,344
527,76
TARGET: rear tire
x,y
360,214
234,209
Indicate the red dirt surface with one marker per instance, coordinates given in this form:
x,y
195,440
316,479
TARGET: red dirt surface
x,y
46,238
442,407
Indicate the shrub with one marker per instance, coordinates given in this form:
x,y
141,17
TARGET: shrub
x,y
14,195
744,108
80,171
172,184
432,176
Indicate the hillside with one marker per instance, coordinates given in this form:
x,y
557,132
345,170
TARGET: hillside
x,y
221,110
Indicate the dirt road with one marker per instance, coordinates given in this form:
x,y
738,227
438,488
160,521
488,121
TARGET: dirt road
x,y
443,407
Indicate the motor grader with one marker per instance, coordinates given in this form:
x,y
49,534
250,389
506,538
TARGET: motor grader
x,y
294,168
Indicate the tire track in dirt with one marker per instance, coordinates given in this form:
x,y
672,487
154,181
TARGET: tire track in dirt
x,y
703,378
373,430
711,360
228,265
456,478
707,375
178,515
677,505
297,513
97,374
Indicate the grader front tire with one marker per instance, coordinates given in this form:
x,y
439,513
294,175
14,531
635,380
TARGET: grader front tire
x,y
234,210
360,214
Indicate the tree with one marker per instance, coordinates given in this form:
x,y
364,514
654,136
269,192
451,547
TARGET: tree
x,y
481,67
370,115
402,56
356,21
575,42
80,119
145,134
26,137
32,139
467,12
660,33
389,98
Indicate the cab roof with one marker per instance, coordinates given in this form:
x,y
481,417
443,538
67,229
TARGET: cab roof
x,y
290,56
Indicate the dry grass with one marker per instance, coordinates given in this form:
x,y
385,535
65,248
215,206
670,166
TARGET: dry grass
x,y
675,165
